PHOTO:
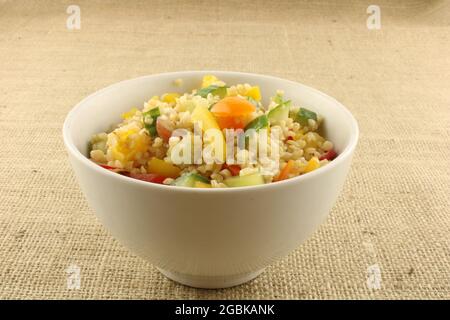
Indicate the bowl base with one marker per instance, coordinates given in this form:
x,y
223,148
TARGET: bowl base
x,y
210,282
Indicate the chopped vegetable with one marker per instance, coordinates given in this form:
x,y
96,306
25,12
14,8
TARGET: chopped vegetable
x,y
163,168
313,164
330,155
243,181
200,184
149,177
209,80
233,112
234,169
189,180
253,101
206,118
304,115
258,123
279,113
284,174
214,90
150,120
170,97
203,115
254,93
107,167
130,113
114,169
164,128
278,99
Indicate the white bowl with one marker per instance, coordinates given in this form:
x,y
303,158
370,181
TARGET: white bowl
x,y
208,238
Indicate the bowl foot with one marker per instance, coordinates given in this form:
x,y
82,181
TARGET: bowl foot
x,y
210,282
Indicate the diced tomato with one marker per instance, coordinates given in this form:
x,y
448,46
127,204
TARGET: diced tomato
x,y
289,138
149,177
330,155
107,167
164,129
114,169
234,169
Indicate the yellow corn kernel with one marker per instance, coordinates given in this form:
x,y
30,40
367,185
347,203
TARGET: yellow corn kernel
x,y
313,164
199,184
129,114
163,168
209,80
255,93
170,97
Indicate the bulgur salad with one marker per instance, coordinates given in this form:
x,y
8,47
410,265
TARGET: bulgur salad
x,y
216,136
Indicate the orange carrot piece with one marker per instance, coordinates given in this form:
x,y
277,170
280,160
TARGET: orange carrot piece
x,y
285,172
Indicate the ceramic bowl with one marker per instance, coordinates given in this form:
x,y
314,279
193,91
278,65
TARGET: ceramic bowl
x,y
208,238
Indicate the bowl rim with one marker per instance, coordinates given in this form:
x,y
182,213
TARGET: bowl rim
x,y
346,153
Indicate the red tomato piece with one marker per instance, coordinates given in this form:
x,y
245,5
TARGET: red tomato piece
x,y
164,129
234,169
149,177
107,167
330,155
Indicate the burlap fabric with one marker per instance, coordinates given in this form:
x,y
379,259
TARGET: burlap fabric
x,y
392,220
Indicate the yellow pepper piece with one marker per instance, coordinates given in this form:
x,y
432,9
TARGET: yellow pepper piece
x,y
255,93
129,114
209,80
170,97
199,184
206,118
162,168
313,164
203,115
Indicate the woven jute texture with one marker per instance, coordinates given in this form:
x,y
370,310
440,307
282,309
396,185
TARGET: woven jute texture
x,y
392,220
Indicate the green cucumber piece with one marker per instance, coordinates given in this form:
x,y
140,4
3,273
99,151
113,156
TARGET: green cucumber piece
x,y
154,114
258,123
244,181
214,90
278,99
279,113
188,180
304,115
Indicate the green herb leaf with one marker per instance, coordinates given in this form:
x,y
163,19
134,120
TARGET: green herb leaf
x,y
304,115
258,123
214,90
153,114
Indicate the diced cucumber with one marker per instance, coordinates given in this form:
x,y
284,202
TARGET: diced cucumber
x,y
304,115
279,113
154,114
214,90
258,123
189,180
244,181
278,99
